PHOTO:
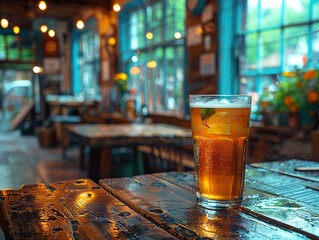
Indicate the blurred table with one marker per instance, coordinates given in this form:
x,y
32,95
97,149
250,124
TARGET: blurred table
x,y
61,104
279,203
98,137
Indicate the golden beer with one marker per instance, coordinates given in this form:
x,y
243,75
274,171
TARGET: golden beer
x,y
220,133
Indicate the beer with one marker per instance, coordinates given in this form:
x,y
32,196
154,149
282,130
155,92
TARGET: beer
x,y
220,133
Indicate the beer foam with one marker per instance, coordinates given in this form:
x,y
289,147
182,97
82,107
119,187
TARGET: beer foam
x,y
219,104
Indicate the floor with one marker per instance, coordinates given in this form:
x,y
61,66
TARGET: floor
x,y
23,161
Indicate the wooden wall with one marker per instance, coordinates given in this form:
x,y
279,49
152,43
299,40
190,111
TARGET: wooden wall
x,y
202,46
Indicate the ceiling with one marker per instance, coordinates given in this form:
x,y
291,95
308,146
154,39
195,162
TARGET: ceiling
x,y
22,12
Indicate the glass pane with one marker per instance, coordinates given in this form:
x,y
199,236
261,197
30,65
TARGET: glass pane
x,y
295,46
270,49
251,51
27,55
270,13
179,86
180,16
252,14
296,11
315,45
2,47
315,10
158,22
169,20
134,30
247,84
13,44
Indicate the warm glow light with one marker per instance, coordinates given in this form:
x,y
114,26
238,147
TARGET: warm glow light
x,y
42,5
4,23
134,70
44,28
134,58
149,35
151,64
51,33
116,7
37,69
199,31
177,35
111,41
16,29
80,24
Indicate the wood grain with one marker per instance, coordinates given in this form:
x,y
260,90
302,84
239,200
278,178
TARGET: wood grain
x,y
174,208
77,209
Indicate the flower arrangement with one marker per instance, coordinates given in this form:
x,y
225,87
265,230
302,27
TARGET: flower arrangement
x,y
121,81
297,94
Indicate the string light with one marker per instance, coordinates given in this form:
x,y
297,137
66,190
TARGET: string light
x,y
111,41
177,35
152,64
116,7
16,29
37,69
4,23
44,28
51,33
80,24
42,5
149,35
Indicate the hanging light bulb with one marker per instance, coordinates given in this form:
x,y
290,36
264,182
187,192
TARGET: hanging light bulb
x,y
51,33
152,64
80,24
37,69
44,28
16,29
116,7
149,35
4,23
42,5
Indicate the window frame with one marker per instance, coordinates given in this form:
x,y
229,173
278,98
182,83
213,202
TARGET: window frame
x,y
260,72
126,52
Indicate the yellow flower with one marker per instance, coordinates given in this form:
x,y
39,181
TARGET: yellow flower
x,y
310,74
120,76
288,74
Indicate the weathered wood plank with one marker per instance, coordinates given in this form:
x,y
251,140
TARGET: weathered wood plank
x,y
289,168
102,135
269,195
175,209
283,185
77,209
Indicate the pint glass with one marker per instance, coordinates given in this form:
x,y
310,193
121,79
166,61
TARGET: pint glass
x,y
220,127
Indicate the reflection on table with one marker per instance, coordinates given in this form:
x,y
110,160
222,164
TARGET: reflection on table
x,y
279,203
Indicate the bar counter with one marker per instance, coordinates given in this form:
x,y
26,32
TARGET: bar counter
x,y
280,202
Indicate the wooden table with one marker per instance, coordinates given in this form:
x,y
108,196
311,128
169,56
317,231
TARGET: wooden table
x,y
100,137
61,104
279,203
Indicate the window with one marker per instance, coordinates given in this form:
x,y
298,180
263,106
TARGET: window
x,y
17,48
273,36
86,55
152,53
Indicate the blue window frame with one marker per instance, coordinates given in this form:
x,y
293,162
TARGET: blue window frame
x,y
273,36
152,52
